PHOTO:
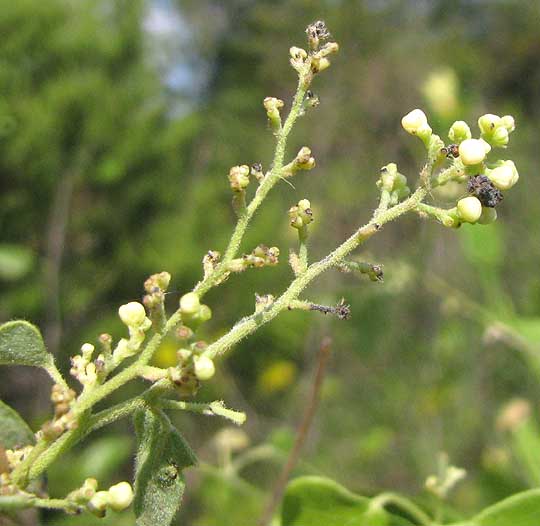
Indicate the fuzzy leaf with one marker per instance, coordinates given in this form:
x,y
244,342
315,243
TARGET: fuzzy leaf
x,y
14,431
522,509
159,483
21,344
317,501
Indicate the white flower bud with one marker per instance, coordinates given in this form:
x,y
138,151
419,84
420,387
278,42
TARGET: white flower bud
x,y
459,132
488,122
508,122
469,209
205,313
189,303
98,503
489,215
86,350
120,496
472,151
132,314
91,375
298,53
504,176
204,367
500,137
414,121
304,204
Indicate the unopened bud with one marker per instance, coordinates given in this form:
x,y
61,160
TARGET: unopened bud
x,y
239,177
459,132
472,151
98,503
508,122
205,313
298,53
272,107
500,137
469,209
414,121
189,303
301,214
488,122
132,314
504,176
204,367
328,49
120,496
86,350
304,160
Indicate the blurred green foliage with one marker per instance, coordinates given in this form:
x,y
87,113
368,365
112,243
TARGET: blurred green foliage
x,y
104,181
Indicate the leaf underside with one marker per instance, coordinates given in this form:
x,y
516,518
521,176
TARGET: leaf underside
x,y
159,483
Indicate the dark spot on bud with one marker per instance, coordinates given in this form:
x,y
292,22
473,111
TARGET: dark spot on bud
x,y
487,193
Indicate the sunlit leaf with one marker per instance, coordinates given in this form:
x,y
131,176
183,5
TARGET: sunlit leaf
x,y
21,344
317,501
522,509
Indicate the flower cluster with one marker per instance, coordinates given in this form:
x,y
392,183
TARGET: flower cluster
x,y
485,180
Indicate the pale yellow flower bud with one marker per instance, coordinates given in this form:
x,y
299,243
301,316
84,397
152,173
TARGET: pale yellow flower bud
x,y
504,176
488,122
508,122
132,314
469,209
120,496
204,367
189,303
472,151
414,121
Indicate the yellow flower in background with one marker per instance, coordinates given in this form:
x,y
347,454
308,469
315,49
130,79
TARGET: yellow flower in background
x,y
166,354
277,377
441,92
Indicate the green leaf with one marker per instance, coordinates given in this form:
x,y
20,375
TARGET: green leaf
x,y
14,431
522,509
159,483
21,344
317,501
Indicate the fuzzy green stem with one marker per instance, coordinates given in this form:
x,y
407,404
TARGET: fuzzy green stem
x,y
383,203
57,377
53,504
251,323
451,173
445,217
216,408
303,249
